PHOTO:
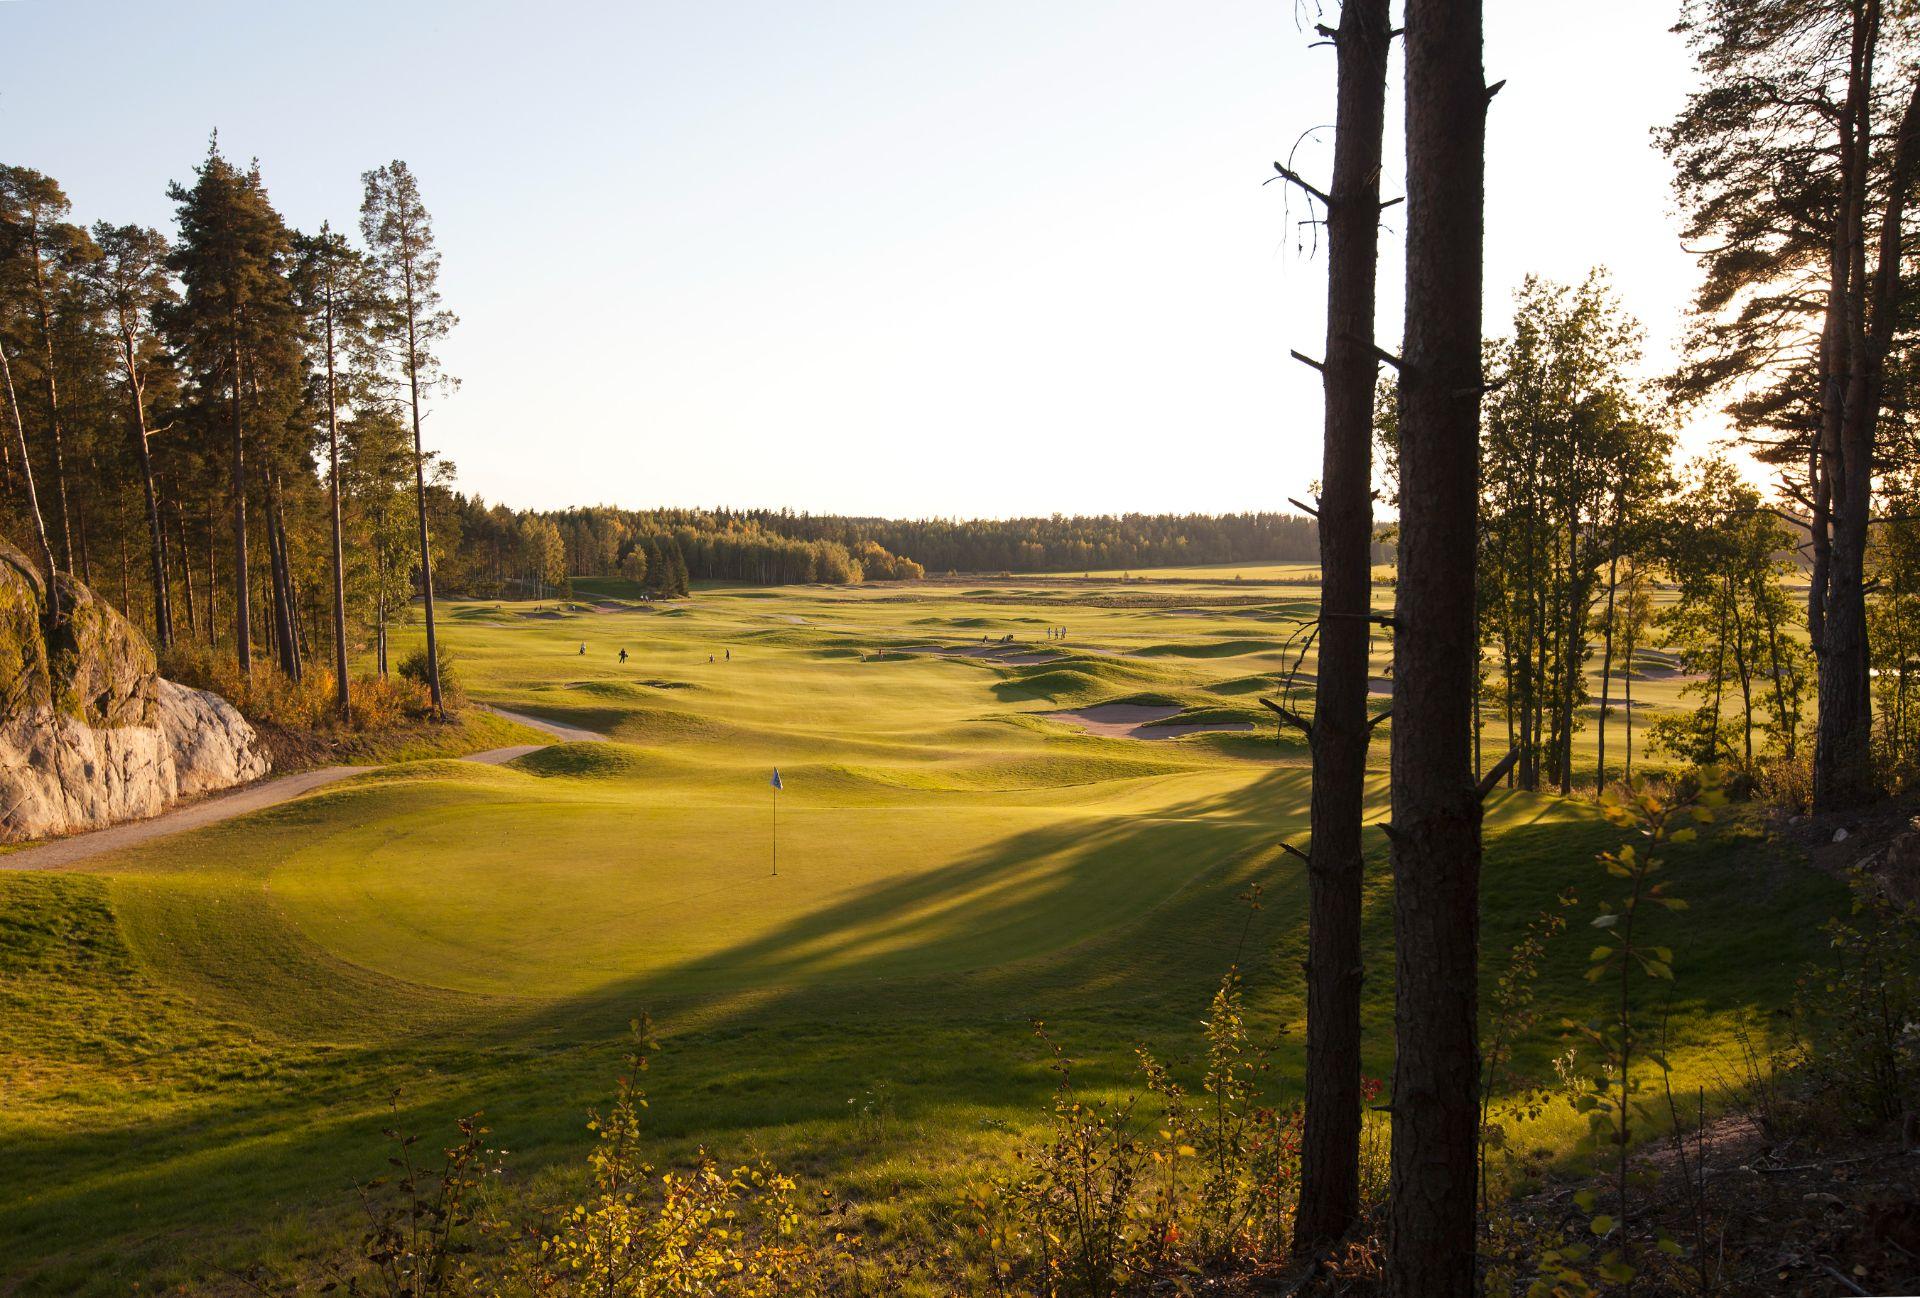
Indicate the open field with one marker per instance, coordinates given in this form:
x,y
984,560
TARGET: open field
x,y
199,1036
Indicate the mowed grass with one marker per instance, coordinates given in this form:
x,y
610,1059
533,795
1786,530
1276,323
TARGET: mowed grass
x,y
199,1038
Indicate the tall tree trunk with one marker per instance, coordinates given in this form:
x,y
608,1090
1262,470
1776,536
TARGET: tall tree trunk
x,y
1330,1141
1861,316
380,594
186,562
1606,667
286,644
43,311
1627,686
341,697
420,499
213,585
86,563
54,615
156,531
242,601
1764,602
1436,808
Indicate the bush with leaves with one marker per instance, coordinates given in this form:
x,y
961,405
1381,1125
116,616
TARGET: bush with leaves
x,y
705,1230
1108,1201
1660,815
1857,1015
413,668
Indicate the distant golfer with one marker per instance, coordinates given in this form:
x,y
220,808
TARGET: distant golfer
x,y
729,655
583,648
623,656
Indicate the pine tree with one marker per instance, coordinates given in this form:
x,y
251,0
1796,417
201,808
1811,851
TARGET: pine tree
x,y
235,329
1435,834
130,286
333,292
1796,164
38,250
1339,732
399,233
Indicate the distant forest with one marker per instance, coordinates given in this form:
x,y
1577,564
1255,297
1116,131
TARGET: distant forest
x,y
779,546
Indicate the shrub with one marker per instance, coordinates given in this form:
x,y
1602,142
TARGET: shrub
x,y
1857,1016
706,1230
414,668
431,1232
1787,782
269,697
1107,1202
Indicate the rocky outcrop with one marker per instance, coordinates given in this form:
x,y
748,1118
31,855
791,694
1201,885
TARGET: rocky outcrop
x,y
90,733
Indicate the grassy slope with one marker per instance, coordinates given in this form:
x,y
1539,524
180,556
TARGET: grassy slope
x,y
198,1038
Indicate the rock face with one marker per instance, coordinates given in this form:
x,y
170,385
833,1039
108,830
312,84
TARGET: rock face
x,y
90,734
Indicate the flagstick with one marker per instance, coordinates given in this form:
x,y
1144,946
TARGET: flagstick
x,y
776,833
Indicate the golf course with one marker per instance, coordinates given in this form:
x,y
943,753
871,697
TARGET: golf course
x,y
981,824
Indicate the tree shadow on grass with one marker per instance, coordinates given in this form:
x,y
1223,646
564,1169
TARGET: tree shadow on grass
x,y
873,990
873,986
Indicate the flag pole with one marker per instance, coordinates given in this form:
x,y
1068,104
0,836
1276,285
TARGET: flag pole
x,y
776,831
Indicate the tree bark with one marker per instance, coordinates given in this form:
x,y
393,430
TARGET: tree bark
x,y
33,497
1330,1140
1606,665
341,697
186,562
242,599
43,310
420,497
1861,315
156,531
286,642
1436,808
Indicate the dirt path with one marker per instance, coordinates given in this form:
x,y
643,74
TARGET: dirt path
x,y
253,797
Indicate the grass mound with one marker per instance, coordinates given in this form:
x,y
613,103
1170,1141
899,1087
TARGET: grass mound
x,y
1217,649
1076,680
1258,684
599,761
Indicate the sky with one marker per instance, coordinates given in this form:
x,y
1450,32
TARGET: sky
x,y
899,257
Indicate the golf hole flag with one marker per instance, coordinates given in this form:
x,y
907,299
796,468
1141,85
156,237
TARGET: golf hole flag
x,y
775,845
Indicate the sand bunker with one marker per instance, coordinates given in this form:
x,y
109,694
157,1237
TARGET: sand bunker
x,y
1380,687
1138,721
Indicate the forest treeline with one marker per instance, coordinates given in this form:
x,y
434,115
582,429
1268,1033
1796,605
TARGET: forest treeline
x,y
746,545
219,427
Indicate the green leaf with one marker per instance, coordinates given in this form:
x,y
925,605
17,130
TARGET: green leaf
x,y
1605,921
1600,953
1602,1224
1686,835
1671,1247
1585,1200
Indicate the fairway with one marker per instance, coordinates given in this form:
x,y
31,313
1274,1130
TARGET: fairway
x,y
201,1033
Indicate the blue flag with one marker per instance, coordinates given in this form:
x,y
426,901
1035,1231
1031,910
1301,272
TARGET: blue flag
x,y
776,779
